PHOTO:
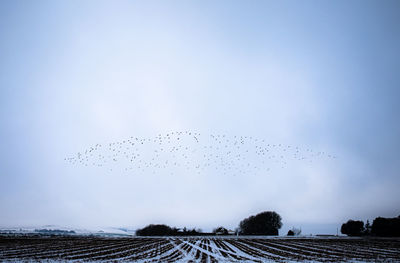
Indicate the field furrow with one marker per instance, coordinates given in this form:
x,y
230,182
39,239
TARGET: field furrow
x,y
197,249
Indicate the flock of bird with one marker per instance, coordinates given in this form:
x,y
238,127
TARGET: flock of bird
x,y
230,155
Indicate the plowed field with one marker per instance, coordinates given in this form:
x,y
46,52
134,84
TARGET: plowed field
x,y
197,249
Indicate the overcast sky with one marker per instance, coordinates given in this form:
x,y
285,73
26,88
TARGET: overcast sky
x,y
321,75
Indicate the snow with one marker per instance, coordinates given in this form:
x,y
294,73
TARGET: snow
x,y
197,249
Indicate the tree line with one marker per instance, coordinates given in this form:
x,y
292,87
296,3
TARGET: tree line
x,y
269,223
384,227
264,223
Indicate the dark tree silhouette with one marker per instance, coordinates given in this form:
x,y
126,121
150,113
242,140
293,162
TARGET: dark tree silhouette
x,y
367,229
220,231
156,230
193,232
353,228
164,230
265,223
386,227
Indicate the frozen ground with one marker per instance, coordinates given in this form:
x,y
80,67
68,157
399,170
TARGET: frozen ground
x,y
196,249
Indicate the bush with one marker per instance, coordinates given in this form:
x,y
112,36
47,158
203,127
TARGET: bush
x,y
386,227
155,230
353,228
220,231
164,230
265,223
294,232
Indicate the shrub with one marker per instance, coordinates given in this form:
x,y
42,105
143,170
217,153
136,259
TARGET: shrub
x,y
220,231
265,223
353,228
387,227
155,230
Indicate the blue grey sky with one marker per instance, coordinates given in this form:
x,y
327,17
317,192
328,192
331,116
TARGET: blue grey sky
x,y
322,75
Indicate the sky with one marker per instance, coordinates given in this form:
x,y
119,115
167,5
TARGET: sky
x,y
319,75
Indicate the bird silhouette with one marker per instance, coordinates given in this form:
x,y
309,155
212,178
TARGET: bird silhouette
x,y
234,155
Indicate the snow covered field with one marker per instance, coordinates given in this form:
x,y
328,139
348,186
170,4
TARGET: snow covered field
x,y
196,249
